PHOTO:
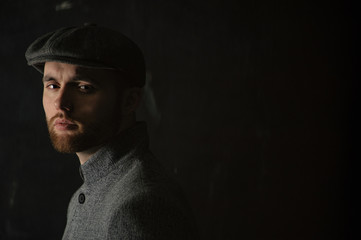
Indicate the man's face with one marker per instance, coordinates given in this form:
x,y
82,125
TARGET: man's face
x,y
82,106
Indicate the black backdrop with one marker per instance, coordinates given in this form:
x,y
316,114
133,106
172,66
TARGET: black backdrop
x,y
250,104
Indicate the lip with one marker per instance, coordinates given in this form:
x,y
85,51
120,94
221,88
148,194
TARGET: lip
x,y
64,124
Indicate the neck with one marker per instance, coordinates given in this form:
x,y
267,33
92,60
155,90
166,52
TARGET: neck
x,y
85,155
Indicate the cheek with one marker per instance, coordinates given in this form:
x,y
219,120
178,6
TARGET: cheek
x,y
95,109
47,107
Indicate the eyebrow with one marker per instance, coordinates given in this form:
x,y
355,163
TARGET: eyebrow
x,y
47,78
82,77
78,77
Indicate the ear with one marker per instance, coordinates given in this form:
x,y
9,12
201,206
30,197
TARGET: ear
x,y
131,100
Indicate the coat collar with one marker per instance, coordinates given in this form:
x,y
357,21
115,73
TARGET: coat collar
x,y
118,153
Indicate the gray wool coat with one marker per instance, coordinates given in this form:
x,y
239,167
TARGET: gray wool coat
x,y
126,195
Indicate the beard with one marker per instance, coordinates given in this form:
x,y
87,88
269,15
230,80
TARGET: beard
x,y
85,136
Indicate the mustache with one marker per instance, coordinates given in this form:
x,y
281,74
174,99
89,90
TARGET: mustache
x,y
61,116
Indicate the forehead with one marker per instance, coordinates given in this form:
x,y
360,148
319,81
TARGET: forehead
x,y
65,70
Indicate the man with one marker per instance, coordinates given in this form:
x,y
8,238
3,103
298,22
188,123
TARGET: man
x,y
92,86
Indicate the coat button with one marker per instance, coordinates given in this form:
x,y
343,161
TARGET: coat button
x,y
81,198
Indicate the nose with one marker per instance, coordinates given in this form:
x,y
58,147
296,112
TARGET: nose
x,y
63,101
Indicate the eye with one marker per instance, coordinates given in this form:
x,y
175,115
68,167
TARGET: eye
x,y
51,86
86,88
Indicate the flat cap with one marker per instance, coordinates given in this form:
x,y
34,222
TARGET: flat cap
x,y
89,46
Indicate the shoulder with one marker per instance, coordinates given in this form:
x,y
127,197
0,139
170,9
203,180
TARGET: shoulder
x,y
152,215
143,175
150,205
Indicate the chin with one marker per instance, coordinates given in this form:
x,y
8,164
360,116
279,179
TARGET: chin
x,y
69,143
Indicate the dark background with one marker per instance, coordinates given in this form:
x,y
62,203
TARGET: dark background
x,y
250,104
